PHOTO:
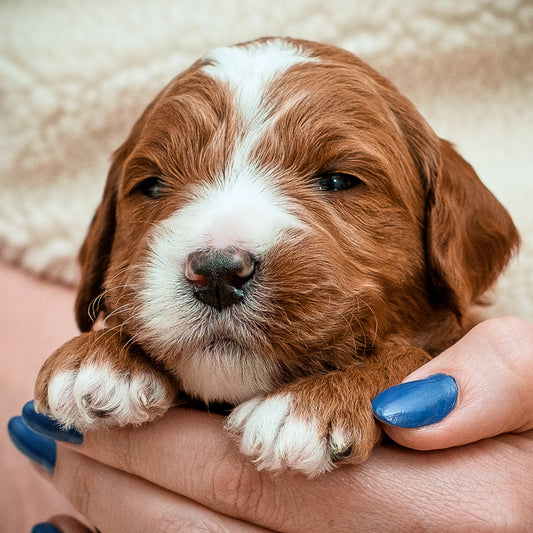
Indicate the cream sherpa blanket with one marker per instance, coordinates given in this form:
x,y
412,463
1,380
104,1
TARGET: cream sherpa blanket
x,y
75,75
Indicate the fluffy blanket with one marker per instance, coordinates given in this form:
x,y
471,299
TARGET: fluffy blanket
x,y
74,76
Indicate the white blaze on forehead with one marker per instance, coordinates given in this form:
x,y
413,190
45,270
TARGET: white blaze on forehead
x,y
249,71
242,207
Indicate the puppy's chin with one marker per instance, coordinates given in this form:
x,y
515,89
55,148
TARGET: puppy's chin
x,y
225,371
215,356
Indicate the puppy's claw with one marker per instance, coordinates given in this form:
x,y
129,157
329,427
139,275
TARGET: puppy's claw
x,y
339,455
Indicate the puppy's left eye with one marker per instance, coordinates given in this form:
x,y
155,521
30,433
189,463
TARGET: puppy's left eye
x,y
337,182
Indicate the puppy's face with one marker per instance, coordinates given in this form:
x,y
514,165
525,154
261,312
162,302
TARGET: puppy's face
x,y
273,214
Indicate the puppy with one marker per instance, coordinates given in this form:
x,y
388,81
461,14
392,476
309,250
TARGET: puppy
x,y
283,232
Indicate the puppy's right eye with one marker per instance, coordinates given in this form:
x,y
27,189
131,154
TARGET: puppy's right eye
x,y
337,181
152,187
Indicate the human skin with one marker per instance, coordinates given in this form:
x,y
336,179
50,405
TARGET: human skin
x,y
481,487
189,475
35,318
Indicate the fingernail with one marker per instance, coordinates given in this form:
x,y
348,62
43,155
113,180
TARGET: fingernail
x,y
417,403
48,426
36,447
45,527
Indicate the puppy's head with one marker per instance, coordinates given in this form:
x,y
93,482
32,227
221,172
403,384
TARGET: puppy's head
x,y
280,209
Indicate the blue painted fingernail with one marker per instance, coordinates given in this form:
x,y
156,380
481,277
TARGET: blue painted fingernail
x,y
36,447
45,527
417,403
48,426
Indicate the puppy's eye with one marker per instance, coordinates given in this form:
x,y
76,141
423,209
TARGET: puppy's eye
x,y
337,182
152,187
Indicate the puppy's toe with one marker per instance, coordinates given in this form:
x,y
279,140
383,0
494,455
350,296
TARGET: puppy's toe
x,y
97,395
275,437
341,445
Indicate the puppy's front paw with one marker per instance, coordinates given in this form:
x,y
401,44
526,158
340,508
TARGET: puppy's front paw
x,y
277,433
84,385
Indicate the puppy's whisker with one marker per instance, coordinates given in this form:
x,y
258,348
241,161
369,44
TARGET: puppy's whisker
x,y
353,336
97,302
119,310
376,322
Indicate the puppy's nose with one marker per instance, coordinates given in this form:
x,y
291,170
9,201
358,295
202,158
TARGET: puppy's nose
x,y
218,276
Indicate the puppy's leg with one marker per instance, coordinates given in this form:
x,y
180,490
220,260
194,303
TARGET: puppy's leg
x,y
316,422
97,379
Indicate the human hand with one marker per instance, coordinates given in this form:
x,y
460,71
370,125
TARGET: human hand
x,y
183,473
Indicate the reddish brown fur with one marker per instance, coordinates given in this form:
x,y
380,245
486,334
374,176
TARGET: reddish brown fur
x,y
403,257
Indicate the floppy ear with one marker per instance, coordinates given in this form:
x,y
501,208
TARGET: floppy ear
x,y
470,235
96,251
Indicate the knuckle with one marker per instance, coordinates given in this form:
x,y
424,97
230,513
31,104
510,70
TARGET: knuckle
x,y
511,344
81,488
520,329
511,341
125,450
238,486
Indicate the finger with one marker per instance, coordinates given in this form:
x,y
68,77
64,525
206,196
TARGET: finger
x,y
114,500
188,452
394,487
478,388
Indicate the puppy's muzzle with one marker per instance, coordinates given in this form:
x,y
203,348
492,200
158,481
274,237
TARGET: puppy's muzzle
x,y
219,277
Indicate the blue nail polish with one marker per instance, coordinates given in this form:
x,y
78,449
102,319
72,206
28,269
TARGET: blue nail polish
x,y
45,527
417,403
40,449
48,426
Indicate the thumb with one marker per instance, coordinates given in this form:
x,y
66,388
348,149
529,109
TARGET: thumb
x,y
480,387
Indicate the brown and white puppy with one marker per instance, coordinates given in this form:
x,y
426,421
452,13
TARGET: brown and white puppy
x,y
281,231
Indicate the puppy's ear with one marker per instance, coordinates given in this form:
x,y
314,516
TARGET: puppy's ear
x,y
470,235
96,251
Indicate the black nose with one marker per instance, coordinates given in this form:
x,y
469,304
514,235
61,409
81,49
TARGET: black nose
x,y
218,277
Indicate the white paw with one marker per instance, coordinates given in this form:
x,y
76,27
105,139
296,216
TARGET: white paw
x,y
275,437
96,395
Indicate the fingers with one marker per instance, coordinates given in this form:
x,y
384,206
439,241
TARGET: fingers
x,y
188,453
188,450
117,501
478,388
392,491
